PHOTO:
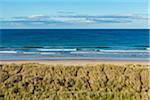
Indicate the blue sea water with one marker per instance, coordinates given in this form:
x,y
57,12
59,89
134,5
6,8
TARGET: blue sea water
x,y
45,44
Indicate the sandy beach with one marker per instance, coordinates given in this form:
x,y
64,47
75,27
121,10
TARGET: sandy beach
x,y
77,62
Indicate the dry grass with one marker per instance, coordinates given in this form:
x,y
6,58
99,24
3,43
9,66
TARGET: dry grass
x,y
90,82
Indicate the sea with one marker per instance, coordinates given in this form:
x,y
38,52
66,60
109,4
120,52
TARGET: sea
x,y
55,44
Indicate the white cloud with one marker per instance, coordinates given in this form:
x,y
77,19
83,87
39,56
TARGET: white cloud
x,y
73,19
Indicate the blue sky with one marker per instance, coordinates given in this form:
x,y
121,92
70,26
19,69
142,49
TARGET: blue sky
x,y
74,13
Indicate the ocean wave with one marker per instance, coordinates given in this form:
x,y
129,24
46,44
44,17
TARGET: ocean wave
x,y
29,53
33,47
124,51
148,48
47,53
51,51
57,50
110,51
84,52
7,52
42,53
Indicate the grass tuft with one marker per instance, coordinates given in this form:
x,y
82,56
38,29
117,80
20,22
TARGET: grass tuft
x,y
90,82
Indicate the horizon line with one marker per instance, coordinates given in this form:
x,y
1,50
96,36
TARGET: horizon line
x,y
71,28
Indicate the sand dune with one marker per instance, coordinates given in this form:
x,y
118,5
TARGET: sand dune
x,y
79,82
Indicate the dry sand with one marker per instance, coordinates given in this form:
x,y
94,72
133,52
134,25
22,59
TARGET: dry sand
x,y
77,62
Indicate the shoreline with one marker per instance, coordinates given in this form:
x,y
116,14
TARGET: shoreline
x,y
77,62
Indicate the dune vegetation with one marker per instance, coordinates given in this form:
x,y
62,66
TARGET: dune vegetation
x,y
90,82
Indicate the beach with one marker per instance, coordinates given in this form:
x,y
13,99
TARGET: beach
x,y
77,62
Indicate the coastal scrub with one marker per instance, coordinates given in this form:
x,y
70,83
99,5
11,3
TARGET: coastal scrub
x,y
89,82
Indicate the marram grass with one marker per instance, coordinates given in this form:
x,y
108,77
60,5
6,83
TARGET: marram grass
x,y
90,82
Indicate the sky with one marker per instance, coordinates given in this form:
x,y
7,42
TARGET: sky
x,y
73,14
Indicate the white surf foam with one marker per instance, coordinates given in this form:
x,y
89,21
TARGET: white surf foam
x,y
47,53
30,52
123,51
83,52
148,48
12,52
57,50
